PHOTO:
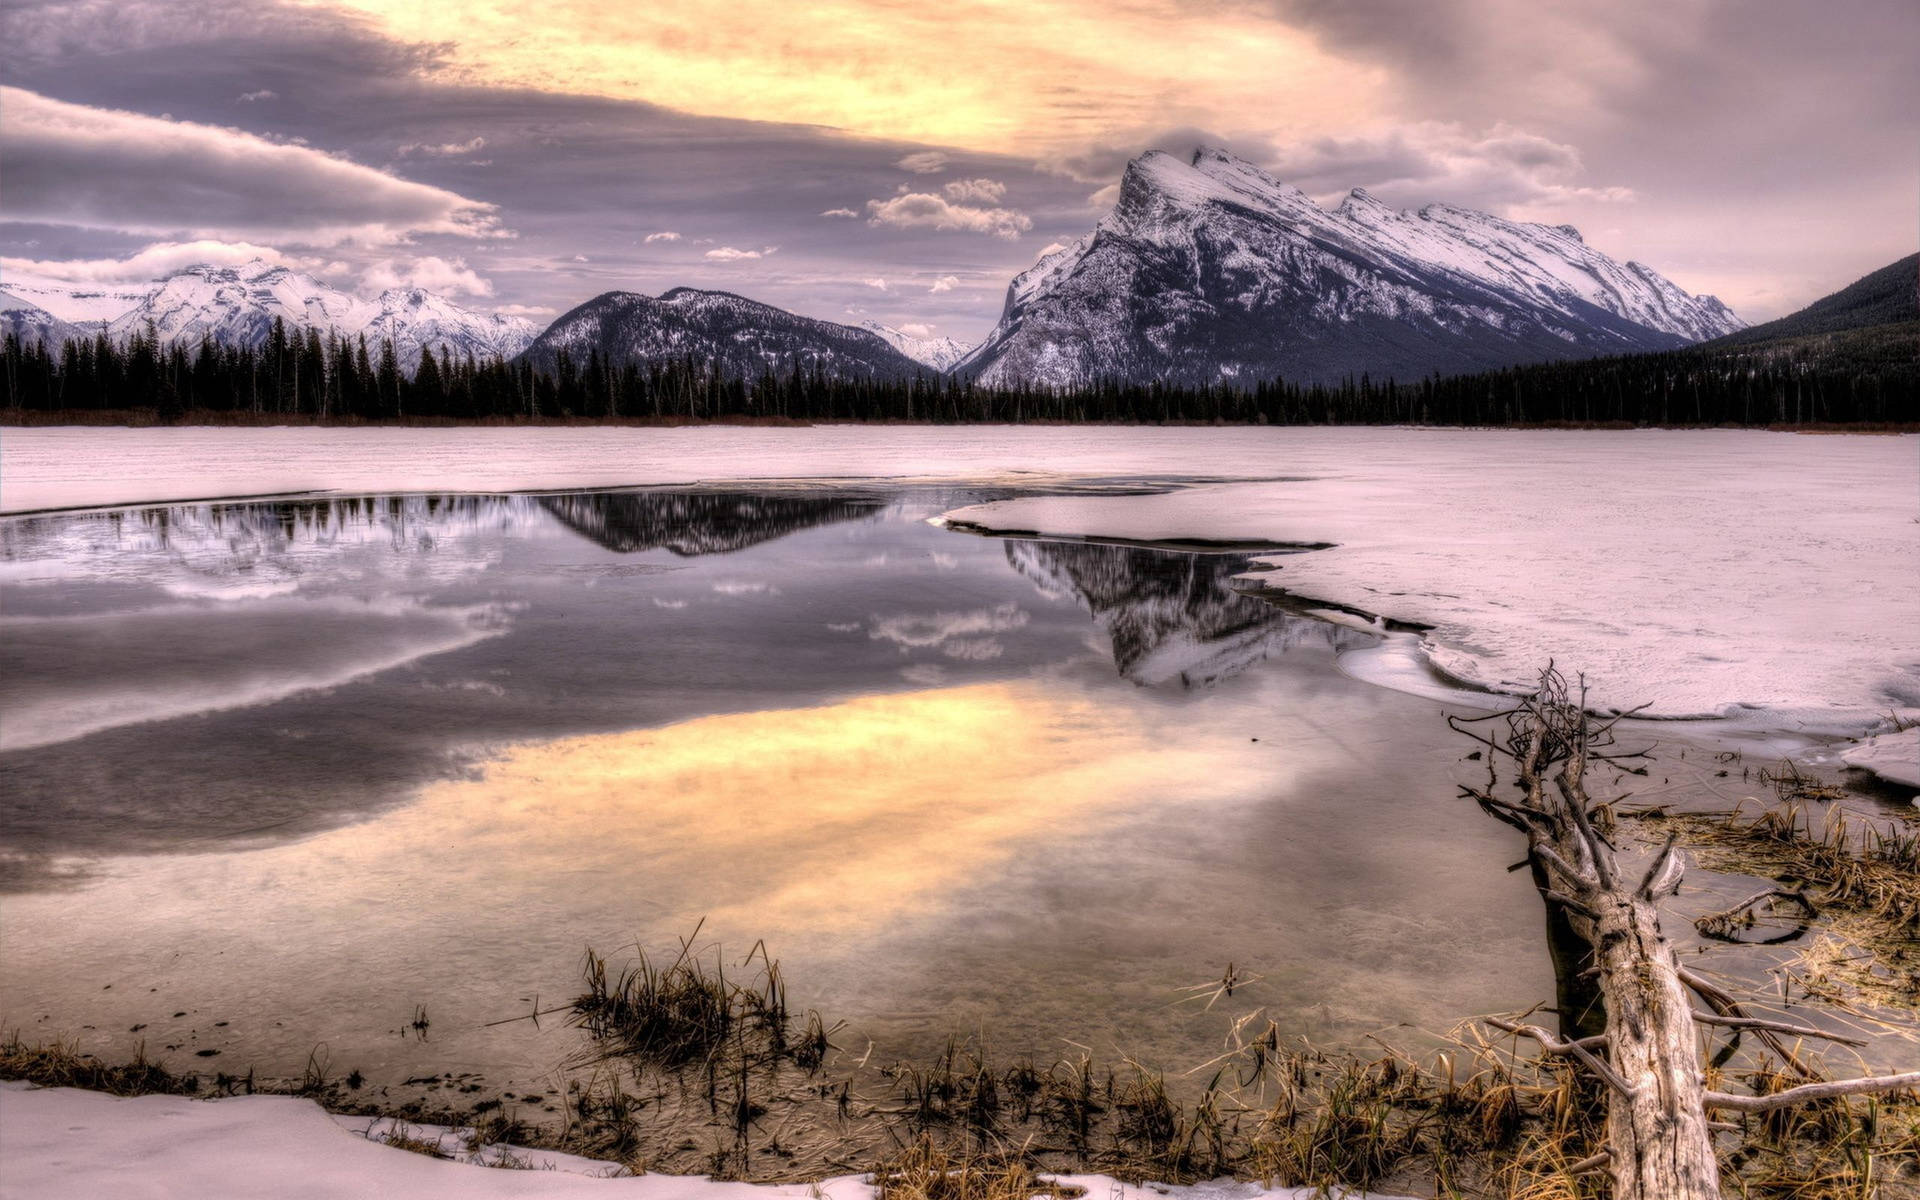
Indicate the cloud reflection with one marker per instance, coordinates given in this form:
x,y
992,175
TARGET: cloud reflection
x,y
826,818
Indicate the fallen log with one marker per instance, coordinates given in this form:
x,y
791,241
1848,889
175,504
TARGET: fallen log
x,y
1659,1135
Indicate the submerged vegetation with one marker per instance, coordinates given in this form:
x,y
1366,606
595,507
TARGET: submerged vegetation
x,y
1854,880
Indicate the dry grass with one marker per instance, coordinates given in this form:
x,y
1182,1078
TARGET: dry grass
x,y
405,1137
1859,878
925,1171
60,1064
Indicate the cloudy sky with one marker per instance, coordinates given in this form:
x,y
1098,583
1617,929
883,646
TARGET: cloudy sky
x,y
900,160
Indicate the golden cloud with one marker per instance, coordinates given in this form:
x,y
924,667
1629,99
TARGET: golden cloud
x,y
1008,76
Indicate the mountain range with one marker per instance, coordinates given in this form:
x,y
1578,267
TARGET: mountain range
x,y
1207,270
237,306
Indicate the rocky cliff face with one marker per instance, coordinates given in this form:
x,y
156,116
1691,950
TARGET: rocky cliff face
x,y
1211,270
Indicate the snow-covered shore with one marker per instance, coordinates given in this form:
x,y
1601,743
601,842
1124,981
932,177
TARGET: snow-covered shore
x,y
1704,573
62,1142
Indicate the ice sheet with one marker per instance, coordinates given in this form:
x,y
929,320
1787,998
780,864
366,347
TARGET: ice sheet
x,y
1694,571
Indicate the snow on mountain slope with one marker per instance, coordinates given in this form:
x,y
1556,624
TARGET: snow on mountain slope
x,y
936,352
740,337
1210,269
31,323
83,304
237,306
415,317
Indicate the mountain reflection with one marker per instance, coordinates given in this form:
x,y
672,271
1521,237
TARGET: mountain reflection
x,y
695,523
1173,616
244,550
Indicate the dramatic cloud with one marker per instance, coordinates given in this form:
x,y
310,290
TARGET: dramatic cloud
x,y
926,162
876,283
975,191
945,283
960,74
449,278
1499,168
156,262
68,164
840,212
665,235
256,97
922,210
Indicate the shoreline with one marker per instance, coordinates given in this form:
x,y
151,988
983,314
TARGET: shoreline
x,y
150,418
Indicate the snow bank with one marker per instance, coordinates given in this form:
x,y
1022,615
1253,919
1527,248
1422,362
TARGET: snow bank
x,y
1894,757
61,1142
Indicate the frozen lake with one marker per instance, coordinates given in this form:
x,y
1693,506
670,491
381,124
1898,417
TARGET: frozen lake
x,y
280,773
292,769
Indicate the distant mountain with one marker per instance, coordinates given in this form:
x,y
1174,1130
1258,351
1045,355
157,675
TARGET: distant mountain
x,y
1887,296
1210,270
31,323
236,306
740,337
415,317
936,352
86,306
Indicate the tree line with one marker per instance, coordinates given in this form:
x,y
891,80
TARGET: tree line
x,y
1870,376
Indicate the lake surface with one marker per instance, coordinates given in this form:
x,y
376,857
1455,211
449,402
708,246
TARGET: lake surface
x,y
281,774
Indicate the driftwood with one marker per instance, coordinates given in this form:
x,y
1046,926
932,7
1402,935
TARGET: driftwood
x,y
1648,1057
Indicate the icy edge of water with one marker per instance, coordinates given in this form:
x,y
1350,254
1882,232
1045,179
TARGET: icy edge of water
x,y
1894,757
67,1142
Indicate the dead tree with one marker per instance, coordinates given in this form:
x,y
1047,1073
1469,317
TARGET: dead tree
x,y
1659,1136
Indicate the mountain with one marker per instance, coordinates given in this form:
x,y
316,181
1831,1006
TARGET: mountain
x,y
87,306
740,337
236,306
415,317
936,352
1210,270
1887,296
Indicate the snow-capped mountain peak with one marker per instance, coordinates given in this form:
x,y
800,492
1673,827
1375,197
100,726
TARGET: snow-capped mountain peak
x,y
936,352
1210,268
237,306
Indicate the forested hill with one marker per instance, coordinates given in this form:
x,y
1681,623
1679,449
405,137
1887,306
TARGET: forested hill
x,y
1888,296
